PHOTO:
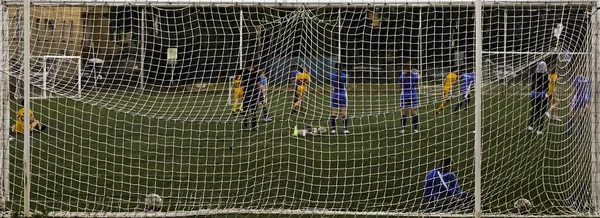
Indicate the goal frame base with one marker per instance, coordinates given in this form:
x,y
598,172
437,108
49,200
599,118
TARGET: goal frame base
x,y
311,212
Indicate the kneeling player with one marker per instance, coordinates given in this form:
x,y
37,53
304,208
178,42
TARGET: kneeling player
x,y
34,124
339,99
409,98
442,191
580,103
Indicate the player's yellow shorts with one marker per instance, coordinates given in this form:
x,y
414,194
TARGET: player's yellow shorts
x,y
300,91
446,93
20,128
238,93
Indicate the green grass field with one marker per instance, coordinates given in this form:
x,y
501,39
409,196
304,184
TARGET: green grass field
x,y
106,151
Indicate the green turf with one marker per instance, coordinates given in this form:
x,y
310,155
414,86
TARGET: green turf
x,y
106,151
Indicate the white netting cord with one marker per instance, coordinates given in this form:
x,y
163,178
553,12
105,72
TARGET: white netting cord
x,y
146,122
553,180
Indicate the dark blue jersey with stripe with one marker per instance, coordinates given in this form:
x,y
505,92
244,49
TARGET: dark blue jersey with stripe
x,y
409,84
583,88
467,80
439,185
339,82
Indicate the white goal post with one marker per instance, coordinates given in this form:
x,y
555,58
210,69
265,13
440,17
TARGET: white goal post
x,y
159,125
55,76
230,88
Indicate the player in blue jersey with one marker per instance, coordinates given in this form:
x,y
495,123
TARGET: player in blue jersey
x,y
339,99
582,86
409,98
262,96
442,191
467,80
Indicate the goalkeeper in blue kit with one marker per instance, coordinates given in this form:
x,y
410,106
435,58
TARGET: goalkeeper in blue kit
x,y
442,191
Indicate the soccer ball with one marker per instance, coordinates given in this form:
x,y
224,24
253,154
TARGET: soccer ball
x,y
153,202
523,206
323,130
303,133
319,130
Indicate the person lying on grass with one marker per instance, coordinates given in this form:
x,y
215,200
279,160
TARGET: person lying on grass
x,y
34,125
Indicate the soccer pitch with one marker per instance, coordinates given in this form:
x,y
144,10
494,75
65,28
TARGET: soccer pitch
x,y
105,152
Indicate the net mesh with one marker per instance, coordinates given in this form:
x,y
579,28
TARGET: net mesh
x,y
56,76
155,112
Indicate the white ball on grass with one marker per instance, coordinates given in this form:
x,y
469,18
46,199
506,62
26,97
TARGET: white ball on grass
x,y
303,132
153,202
523,206
323,130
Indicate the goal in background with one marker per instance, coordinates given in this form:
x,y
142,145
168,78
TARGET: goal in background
x,y
54,76
144,131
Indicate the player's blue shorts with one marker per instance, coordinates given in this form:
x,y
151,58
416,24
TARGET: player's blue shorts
x,y
339,100
409,101
579,104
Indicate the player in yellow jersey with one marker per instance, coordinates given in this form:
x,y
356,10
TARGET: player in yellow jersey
x,y
33,123
301,83
238,93
449,82
552,94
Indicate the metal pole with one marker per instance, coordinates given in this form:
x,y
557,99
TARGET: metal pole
x,y
505,45
44,77
594,147
26,73
340,42
79,76
478,108
241,39
452,54
339,35
5,109
230,81
142,38
420,44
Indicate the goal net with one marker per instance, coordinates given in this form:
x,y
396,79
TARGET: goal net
x,y
54,76
156,109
